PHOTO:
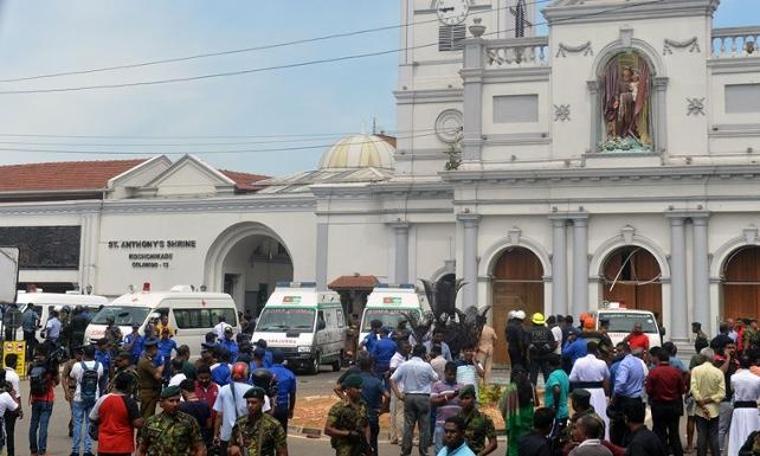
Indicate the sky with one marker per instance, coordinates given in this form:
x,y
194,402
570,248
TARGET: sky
x,y
305,106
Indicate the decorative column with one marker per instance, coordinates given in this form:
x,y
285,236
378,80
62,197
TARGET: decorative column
x,y
472,79
596,115
559,266
323,232
701,271
678,325
470,223
660,114
580,264
401,252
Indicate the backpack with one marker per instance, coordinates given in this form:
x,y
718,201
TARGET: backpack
x,y
542,341
88,386
38,380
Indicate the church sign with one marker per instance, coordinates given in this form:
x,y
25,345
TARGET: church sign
x,y
151,254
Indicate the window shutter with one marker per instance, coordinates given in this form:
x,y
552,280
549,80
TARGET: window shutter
x,y
450,37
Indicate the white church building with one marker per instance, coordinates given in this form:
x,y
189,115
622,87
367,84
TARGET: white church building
x,y
615,159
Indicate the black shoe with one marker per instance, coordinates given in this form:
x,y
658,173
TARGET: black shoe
x,y
88,454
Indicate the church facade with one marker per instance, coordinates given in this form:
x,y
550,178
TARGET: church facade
x,y
614,159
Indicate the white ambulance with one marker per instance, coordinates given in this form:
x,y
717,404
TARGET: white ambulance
x,y
306,325
191,314
388,303
621,321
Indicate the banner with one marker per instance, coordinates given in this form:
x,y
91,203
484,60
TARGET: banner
x,y
19,349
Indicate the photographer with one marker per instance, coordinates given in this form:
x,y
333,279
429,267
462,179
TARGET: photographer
x,y
43,377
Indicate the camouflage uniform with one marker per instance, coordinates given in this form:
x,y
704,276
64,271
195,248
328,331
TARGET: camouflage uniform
x,y
348,417
132,391
170,435
266,429
477,428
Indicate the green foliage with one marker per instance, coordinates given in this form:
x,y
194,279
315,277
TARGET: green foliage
x,y
490,394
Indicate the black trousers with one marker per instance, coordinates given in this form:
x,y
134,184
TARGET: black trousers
x,y
281,414
10,429
618,429
666,417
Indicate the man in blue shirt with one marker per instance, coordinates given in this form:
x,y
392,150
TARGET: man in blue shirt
x,y
453,437
229,344
268,359
103,356
627,389
286,390
133,343
374,334
382,352
375,395
575,350
438,335
221,370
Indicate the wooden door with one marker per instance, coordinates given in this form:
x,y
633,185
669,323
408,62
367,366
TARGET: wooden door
x,y
741,284
517,284
632,276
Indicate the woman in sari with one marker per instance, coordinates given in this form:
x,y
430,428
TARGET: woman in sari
x,y
517,404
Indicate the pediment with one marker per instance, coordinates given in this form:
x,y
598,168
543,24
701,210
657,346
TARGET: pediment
x,y
189,176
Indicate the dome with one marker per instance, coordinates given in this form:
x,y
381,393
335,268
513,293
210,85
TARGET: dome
x,y
359,151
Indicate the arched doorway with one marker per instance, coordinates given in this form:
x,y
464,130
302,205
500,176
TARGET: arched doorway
x,y
247,260
631,275
741,283
517,284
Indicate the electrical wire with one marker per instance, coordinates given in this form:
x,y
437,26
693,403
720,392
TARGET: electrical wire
x,y
244,50
279,67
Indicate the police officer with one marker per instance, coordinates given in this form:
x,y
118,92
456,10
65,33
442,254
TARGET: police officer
x,y
347,422
170,432
149,379
258,433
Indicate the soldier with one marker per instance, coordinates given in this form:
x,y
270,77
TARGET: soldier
x,y
124,365
149,379
113,334
70,385
347,423
477,426
258,434
171,432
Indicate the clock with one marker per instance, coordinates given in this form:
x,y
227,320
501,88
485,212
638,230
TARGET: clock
x,y
452,12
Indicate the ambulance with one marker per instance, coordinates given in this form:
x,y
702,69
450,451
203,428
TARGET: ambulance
x,y
192,313
621,321
306,325
388,303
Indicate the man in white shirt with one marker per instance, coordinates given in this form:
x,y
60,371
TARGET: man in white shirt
x,y
231,405
556,332
53,327
220,327
593,375
396,406
87,375
745,418
12,414
178,374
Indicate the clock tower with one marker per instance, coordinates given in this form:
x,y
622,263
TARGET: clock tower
x,y
429,90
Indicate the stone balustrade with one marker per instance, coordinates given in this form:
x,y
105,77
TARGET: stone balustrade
x,y
733,42
511,52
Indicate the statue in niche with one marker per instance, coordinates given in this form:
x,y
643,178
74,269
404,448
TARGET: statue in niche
x,y
626,84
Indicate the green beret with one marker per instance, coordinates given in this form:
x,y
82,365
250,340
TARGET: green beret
x,y
468,390
170,391
256,392
352,381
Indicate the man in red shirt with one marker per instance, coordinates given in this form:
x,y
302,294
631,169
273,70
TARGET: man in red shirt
x,y
637,338
117,417
42,399
665,387
206,390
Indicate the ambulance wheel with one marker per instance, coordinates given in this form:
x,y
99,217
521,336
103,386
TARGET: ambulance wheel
x,y
315,362
336,365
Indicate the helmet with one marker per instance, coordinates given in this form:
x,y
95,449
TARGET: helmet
x,y
240,371
589,323
520,315
538,319
511,314
262,378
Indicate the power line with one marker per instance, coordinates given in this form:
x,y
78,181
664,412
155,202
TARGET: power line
x,y
280,67
207,152
242,50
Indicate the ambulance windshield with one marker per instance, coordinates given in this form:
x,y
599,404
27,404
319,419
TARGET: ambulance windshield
x,y
281,320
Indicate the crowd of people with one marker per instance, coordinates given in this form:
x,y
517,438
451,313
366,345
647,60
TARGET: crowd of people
x,y
239,395
235,399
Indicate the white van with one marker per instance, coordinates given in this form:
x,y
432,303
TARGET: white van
x,y
306,325
621,321
44,302
389,303
191,314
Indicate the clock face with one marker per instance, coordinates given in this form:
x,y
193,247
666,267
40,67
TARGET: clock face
x,y
452,12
